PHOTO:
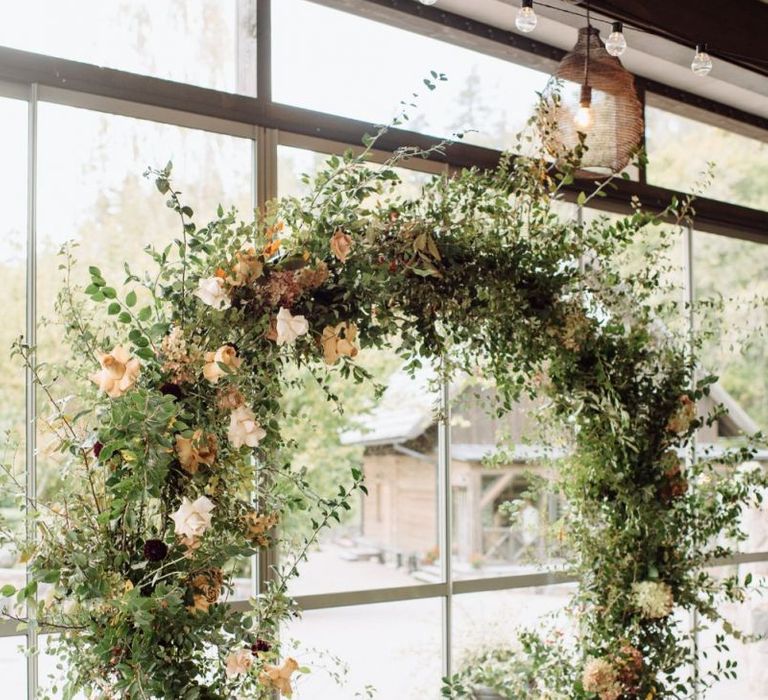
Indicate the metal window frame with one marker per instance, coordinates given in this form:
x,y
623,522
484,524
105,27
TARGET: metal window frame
x,y
34,79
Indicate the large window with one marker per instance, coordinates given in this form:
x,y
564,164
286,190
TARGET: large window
x,y
456,544
484,97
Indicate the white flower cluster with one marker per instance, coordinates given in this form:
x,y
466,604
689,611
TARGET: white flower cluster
x,y
653,599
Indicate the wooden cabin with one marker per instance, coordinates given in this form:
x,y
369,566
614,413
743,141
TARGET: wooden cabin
x,y
400,439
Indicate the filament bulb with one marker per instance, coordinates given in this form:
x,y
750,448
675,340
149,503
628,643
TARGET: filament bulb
x,y
583,117
526,18
616,44
702,61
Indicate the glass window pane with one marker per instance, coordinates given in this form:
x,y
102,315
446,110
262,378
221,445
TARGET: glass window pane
x,y
733,274
493,620
390,537
483,93
751,618
13,667
91,191
679,150
394,648
13,243
188,42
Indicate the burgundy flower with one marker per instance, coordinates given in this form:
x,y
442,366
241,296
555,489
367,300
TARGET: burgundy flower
x,y
155,550
260,647
170,389
97,448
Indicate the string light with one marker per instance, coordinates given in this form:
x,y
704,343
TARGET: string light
x,y
702,61
526,18
616,44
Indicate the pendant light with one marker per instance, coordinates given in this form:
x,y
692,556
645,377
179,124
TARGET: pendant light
x,y
598,98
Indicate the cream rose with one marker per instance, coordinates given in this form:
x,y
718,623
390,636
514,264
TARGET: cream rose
x,y
244,429
339,341
193,518
341,245
119,372
226,355
211,292
289,327
239,662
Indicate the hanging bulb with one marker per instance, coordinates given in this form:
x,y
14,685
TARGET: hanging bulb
x,y
583,118
702,61
616,44
526,18
427,2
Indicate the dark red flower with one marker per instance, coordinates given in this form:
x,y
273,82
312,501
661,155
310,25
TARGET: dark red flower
x,y
155,550
97,448
170,389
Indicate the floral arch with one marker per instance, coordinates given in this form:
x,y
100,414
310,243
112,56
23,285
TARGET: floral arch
x,y
176,464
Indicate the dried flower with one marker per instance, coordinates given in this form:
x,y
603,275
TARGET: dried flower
x,y
653,599
199,449
176,359
574,330
600,676
244,429
312,278
97,448
119,372
239,662
257,526
248,267
339,341
279,677
341,245
681,420
629,665
674,484
225,356
206,588
230,398
281,289
290,327
212,291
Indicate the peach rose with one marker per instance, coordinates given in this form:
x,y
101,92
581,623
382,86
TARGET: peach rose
x,y
119,372
279,677
339,341
341,245
226,355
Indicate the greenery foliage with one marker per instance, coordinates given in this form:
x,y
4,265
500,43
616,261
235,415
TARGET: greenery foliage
x,y
178,467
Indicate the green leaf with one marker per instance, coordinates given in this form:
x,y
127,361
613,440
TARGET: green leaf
x,y
124,317
109,292
130,299
581,199
113,308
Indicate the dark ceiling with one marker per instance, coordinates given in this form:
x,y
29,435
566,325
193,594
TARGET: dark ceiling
x,y
730,27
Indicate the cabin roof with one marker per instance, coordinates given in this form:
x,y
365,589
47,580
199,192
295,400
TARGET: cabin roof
x,y
407,410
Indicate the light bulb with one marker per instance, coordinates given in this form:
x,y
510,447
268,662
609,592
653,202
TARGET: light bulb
x,y
702,61
526,18
616,44
583,117
427,2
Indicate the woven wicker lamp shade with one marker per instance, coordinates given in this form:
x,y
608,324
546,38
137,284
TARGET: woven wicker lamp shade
x,y
616,131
